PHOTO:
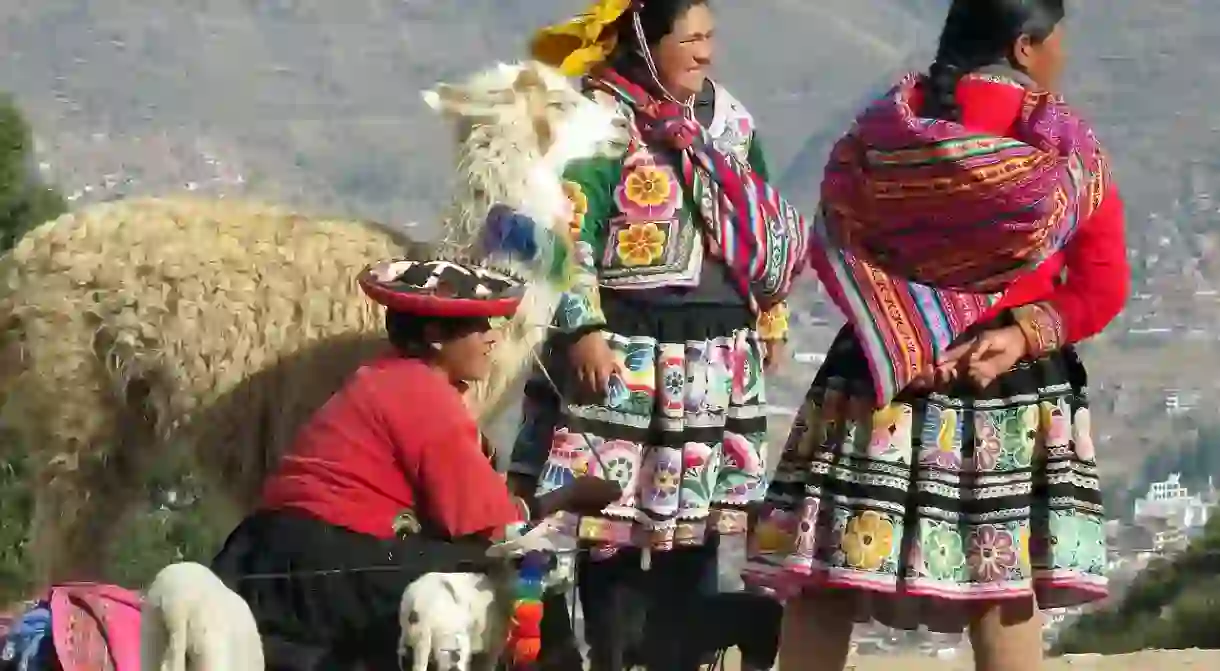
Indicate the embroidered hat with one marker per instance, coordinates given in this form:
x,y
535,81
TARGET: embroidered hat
x,y
442,289
577,45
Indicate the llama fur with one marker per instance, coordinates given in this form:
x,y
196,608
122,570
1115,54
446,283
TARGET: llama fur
x,y
192,622
208,331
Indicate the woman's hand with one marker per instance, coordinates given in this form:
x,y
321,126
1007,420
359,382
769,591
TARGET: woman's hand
x,y
981,359
587,495
947,369
994,353
593,363
773,354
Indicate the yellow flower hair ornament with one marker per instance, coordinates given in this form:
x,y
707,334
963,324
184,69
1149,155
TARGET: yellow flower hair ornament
x,y
577,46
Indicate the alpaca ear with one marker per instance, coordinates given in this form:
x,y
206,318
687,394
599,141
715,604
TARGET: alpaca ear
x,y
446,98
432,99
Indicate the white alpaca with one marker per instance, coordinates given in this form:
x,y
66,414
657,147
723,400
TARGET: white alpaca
x,y
193,622
519,126
447,618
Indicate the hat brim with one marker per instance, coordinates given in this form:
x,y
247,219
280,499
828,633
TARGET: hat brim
x,y
442,289
426,305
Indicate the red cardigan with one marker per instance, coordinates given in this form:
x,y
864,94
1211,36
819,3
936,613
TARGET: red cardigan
x,y
1093,290
397,435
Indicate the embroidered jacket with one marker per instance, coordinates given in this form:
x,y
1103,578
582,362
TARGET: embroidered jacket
x,y
634,222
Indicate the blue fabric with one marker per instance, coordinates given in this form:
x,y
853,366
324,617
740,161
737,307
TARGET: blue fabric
x,y
29,641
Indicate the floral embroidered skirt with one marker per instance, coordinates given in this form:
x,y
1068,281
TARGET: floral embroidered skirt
x,y
683,429
939,500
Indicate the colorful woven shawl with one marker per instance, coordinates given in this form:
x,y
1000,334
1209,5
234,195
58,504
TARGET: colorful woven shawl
x,y
760,237
923,223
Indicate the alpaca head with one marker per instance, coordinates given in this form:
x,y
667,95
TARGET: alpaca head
x,y
518,126
533,103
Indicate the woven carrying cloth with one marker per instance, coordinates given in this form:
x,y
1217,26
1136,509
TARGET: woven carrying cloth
x,y
748,224
924,223
442,289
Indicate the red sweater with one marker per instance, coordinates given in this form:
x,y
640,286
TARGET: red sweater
x,y
1093,290
397,435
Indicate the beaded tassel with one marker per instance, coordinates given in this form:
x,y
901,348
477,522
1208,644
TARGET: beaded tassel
x,y
525,632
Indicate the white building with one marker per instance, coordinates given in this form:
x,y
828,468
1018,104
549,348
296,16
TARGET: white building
x,y
1172,504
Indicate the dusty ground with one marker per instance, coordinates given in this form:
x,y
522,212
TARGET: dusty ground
x,y
1150,660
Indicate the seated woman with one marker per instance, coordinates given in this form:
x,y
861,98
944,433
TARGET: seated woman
x,y
390,480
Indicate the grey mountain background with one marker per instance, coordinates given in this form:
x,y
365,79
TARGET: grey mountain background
x,y
316,103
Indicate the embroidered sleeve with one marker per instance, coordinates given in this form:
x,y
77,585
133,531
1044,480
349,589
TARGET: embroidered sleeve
x,y
773,324
540,412
1094,289
588,185
1042,327
757,158
1097,281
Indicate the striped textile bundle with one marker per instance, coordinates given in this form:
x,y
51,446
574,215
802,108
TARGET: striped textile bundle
x,y
747,223
923,223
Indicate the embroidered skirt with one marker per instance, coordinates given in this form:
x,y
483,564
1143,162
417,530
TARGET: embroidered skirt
x,y
938,500
683,429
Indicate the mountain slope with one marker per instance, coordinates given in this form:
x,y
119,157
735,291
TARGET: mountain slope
x,y
318,103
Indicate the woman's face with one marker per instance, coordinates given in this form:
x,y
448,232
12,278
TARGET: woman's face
x,y
466,356
1042,61
684,56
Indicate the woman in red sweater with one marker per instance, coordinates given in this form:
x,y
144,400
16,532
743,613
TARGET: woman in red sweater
x,y
390,480
942,471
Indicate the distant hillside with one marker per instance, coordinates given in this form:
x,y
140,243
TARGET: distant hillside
x,y
318,103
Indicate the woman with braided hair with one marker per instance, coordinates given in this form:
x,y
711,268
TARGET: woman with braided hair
x,y
391,480
687,256
942,472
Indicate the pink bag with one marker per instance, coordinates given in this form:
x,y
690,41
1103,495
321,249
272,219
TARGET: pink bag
x,y
96,627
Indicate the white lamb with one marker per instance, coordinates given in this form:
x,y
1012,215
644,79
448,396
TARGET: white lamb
x,y
193,622
447,619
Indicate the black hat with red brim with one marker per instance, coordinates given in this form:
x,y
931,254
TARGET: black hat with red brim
x,y
442,289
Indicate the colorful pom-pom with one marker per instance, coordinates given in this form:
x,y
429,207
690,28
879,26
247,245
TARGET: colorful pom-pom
x,y
511,232
527,619
527,629
529,589
526,650
525,637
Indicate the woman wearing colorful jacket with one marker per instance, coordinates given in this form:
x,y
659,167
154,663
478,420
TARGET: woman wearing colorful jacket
x,y
686,255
